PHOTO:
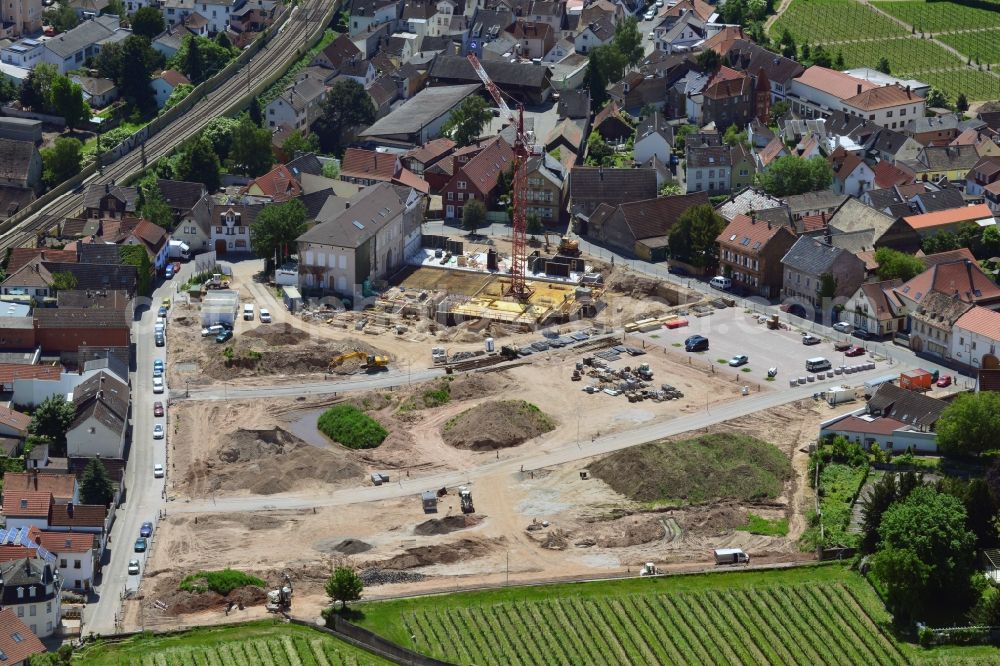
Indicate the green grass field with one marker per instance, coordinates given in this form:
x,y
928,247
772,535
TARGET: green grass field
x,y
819,614
906,55
935,17
257,643
824,21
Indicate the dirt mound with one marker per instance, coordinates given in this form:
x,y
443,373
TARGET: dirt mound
x,y
278,334
352,547
283,350
477,385
448,524
497,424
268,461
181,602
457,551
712,518
628,531
632,285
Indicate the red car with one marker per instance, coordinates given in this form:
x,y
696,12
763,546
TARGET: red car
x,y
855,351
157,408
944,381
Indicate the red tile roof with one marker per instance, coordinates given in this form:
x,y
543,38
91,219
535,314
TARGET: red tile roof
x,y
945,257
890,175
771,151
963,278
8,553
11,371
62,486
14,419
432,150
79,515
66,542
748,234
980,320
879,426
173,77
723,40
840,85
16,640
485,168
26,503
813,222
882,98
989,380
410,179
279,184
949,216
20,256
368,164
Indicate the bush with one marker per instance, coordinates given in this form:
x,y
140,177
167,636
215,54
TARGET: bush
x,y
348,425
223,582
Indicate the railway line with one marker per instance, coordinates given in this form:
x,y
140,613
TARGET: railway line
x,y
287,44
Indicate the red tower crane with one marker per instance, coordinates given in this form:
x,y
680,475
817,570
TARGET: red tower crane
x,y
522,149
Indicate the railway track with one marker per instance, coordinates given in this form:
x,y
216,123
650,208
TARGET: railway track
x,y
286,46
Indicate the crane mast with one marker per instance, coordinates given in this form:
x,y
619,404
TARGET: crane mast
x,y
519,237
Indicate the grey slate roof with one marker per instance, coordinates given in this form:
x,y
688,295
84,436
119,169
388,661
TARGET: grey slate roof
x,y
574,104
746,201
855,216
611,186
940,200
370,210
421,109
98,253
15,159
821,200
705,157
82,36
811,257
180,194
94,193
909,407
503,73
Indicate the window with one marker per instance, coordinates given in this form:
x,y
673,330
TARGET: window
x,y
48,606
902,112
63,565
461,184
32,610
451,196
888,114
20,611
20,593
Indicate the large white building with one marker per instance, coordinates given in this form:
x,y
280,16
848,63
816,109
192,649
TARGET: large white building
x,y
818,92
975,339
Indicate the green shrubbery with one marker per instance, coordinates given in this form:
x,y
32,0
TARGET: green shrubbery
x,y
222,582
348,425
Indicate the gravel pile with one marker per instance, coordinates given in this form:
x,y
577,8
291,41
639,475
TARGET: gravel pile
x,y
375,576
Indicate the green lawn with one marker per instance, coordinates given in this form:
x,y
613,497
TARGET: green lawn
x,y
935,17
264,643
806,615
840,485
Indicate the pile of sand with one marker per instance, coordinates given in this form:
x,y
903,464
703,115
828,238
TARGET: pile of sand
x,y
278,334
268,461
497,424
456,551
352,547
447,525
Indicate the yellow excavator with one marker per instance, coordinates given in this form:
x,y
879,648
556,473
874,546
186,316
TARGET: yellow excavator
x,y
372,362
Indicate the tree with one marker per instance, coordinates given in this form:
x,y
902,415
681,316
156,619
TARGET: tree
x,y
130,64
52,418
598,150
692,238
893,264
148,22
220,132
199,164
343,586
827,285
200,58
115,8
331,170
178,94
347,106
223,41
962,103
62,18
787,45
136,255
533,225
95,485
671,190
295,143
154,208
473,215
993,480
61,161
67,101
709,60
883,65
681,134
792,175
969,425
8,90
838,62
778,109
276,228
255,112
605,64
628,41
926,554
36,89
191,63
251,152
820,57
980,509
881,497
937,99
467,120
734,136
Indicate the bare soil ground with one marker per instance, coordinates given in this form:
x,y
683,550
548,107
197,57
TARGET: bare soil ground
x,y
497,424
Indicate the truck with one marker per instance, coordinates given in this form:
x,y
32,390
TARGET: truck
x,y
731,556
179,250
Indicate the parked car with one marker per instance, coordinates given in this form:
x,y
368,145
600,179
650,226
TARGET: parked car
x,y
158,471
855,351
808,339
140,545
265,315
862,334
224,336
648,16
158,367
157,384
161,340
157,408
696,343
165,302
133,566
162,312
944,381
158,431
212,330
843,327
738,360
168,272
146,530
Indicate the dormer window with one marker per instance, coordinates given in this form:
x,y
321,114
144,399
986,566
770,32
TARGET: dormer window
x,y
20,593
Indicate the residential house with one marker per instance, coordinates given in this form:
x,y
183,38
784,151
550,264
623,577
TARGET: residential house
x,y
638,90
421,158
594,33
181,196
109,201
549,12
69,50
814,203
819,92
890,106
685,96
63,487
708,169
894,419
653,136
876,309
888,175
17,641
298,106
101,421
809,264
276,186
152,237
949,220
337,52
546,180
991,195
934,130
569,137
13,424
742,169
351,246
98,92
985,172
779,70
20,165
976,337
165,84
217,13
932,322
961,279
61,330
477,178
679,33
851,175
89,519
487,26
367,167
534,39
524,81
589,187
26,508
417,16
766,155
32,588
169,42
728,99
747,201
231,222
612,124
74,554
936,162
640,228
20,18
750,254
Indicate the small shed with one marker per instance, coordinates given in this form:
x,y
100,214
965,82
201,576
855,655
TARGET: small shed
x,y
292,298
21,129
430,501
916,380
220,307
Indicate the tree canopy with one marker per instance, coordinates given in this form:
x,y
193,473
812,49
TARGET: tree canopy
x,y
473,215
276,228
130,64
793,175
893,264
628,41
969,425
467,120
136,255
219,131
200,58
692,238
148,22
605,65
36,89
347,107
344,585
62,18
51,419
198,163
61,161
154,208
296,143
96,486
251,150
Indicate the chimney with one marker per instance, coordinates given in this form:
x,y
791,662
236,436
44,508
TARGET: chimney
x,y
600,172
69,509
859,88
34,477
347,205
753,218
107,188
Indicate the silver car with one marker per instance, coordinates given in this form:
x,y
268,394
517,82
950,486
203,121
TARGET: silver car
x,y
133,567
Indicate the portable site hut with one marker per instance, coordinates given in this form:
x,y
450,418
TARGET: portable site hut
x,y
916,380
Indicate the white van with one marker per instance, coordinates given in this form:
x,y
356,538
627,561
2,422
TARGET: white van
x,y
248,311
818,364
721,282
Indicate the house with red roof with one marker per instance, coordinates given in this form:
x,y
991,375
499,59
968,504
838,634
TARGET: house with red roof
x,y
728,99
17,642
152,237
750,252
975,339
276,186
165,84
850,173
876,308
26,508
74,553
367,167
961,281
13,424
477,178
950,219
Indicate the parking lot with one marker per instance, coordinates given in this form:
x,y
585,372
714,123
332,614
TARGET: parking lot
x,y
732,331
